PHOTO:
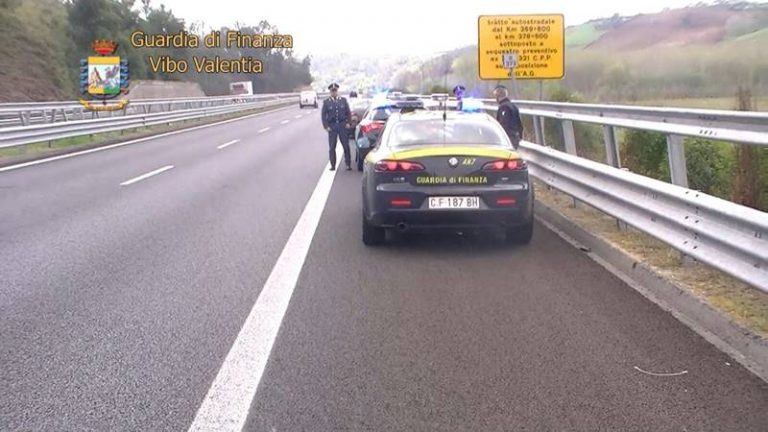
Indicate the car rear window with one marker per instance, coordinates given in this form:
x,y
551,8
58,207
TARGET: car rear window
x,y
408,133
384,113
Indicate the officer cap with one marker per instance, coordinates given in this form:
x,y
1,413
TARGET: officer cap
x,y
500,87
333,86
458,88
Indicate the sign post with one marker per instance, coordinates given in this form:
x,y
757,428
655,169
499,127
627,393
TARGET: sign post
x,y
509,61
537,42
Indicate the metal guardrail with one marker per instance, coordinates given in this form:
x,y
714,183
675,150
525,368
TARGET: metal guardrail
x,y
31,113
727,236
743,127
23,135
722,234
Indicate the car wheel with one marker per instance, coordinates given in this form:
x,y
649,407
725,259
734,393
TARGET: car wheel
x,y
301,106
372,235
315,104
521,235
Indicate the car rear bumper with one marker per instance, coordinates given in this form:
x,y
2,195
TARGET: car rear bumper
x,y
418,215
439,219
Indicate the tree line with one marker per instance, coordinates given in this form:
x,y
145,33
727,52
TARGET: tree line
x,y
83,21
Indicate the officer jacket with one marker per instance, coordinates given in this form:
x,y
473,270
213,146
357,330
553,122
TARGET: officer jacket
x,y
509,117
335,111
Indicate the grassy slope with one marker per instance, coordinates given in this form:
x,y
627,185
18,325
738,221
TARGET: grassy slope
x,y
582,35
33,55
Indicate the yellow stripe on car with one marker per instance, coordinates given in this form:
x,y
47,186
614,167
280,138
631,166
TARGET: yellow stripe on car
x,y
454,151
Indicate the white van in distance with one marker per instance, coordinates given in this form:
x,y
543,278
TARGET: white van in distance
x,y
307,98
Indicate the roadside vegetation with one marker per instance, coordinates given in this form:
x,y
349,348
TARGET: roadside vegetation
x,y
42,42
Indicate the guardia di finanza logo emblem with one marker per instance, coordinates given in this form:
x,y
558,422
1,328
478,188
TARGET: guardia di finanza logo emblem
x,y
103,77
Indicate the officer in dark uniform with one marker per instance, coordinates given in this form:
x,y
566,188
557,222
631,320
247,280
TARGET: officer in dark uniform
x,y
336,115
458,91
508,116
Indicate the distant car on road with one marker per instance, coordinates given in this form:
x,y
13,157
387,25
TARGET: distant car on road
x,y
457,171
308,98
372,122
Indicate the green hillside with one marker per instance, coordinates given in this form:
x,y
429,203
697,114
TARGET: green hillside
x,y
33,54
582,35
42,41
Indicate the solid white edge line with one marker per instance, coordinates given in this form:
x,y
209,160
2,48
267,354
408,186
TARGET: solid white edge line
x,y
284,122
264,129
227,144
147,175
298,116
136,141
228,402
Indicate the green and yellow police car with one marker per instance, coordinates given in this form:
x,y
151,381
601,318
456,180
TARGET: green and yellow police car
x,y
433,169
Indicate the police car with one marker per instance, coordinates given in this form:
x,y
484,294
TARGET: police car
x,y
372,124
435,169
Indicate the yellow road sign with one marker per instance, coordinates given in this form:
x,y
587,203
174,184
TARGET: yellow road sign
x,y
538,41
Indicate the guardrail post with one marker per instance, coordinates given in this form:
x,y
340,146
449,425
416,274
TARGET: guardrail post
x,y
611,147
569,137
537,130
677,168
678,172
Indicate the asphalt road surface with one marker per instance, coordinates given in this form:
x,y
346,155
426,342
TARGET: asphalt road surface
x,y
216,279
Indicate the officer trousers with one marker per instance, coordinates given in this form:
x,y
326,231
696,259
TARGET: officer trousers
x,y
338,132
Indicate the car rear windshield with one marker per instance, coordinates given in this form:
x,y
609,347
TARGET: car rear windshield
x,y
383,113
409,133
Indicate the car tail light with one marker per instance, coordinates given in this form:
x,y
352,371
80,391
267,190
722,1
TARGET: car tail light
x,y
506,201
398,166
505,165
400,202
372,126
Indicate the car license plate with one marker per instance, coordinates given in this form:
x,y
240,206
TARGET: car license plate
x,y
448,202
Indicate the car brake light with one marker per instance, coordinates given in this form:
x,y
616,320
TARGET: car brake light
x,y
400,202
398,166
373,126
505,201
505,165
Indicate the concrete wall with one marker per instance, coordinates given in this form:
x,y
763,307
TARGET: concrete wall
x,y
146,89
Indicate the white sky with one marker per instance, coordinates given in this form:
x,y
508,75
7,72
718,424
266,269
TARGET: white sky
x,y
392,27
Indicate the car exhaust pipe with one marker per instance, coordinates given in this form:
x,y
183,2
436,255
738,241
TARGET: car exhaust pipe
x,y
402,226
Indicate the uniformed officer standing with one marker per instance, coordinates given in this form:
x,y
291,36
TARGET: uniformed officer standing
x,y
336,115
458,91
508,116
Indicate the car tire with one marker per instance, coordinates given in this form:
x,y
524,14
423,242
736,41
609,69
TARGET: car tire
x,y
521,234
315,105
301,106
372,235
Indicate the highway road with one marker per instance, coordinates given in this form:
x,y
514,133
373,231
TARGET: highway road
x,y
216,279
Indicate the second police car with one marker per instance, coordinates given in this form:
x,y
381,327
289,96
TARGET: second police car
x,y
434,169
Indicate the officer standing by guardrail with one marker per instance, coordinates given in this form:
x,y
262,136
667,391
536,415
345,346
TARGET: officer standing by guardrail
x,y
508,116
458,91
336,115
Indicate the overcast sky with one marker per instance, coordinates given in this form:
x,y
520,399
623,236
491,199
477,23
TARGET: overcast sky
x,y
387,27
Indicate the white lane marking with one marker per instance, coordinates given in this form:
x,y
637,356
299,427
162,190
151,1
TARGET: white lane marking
x,y
136,141
226,406
264,129
227,144
298,116
284,121
146,176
